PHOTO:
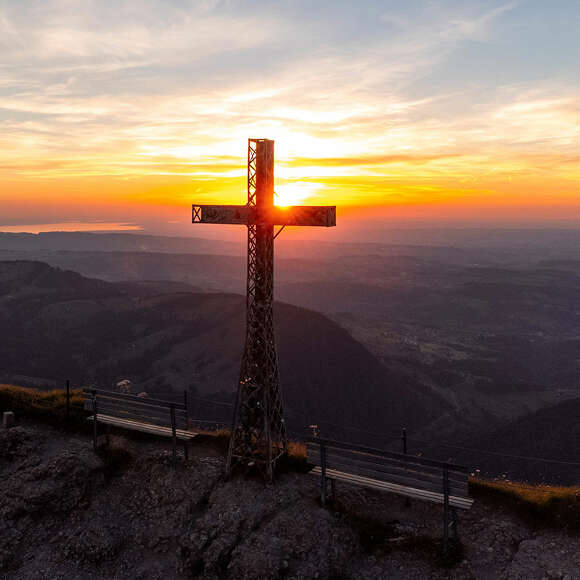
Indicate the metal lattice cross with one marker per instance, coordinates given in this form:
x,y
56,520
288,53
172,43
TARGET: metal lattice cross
x,y
258,429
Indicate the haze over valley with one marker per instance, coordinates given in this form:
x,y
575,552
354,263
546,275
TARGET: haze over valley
x,y
455,339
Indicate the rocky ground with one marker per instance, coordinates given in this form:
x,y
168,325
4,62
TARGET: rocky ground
x,y
65,513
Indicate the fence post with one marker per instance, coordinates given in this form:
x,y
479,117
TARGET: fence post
x,y
173,430
67,400
445,508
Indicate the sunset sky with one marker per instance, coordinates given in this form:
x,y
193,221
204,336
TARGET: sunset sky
x,y
126,112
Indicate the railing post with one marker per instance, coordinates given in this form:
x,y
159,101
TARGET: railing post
x,y
323,473
94,401
173,431
185,402
67,400
445,508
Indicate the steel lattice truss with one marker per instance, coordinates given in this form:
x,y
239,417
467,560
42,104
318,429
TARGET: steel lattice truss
x,y
258,429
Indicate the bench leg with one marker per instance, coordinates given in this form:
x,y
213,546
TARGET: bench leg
x,y
174,433
186,449
95,433
446,509
323,474
446,518
455,523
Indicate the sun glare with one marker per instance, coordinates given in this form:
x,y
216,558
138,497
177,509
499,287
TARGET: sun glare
x,y
293,193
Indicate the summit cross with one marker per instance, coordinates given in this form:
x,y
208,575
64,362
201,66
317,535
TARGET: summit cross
x,y
258,428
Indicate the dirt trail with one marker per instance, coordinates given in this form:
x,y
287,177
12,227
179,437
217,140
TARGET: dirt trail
x,y
64,514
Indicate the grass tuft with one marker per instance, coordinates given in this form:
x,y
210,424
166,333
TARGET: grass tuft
x,y
552,505
46,406
297,450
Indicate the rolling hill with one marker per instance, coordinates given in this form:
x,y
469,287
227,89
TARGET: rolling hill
x,y
552,433
492,335
58,324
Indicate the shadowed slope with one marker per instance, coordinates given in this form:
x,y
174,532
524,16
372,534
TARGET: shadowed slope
x,y
60,328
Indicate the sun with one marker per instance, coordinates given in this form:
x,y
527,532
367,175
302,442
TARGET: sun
x,y
292,193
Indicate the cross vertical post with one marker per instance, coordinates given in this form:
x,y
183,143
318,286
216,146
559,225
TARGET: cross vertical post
x,y
258,428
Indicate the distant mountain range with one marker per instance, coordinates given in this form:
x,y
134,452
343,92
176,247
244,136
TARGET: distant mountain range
x,y
166,338
452,245
363,236
492,331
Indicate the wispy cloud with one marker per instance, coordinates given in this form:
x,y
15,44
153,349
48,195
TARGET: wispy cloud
x,y
139,89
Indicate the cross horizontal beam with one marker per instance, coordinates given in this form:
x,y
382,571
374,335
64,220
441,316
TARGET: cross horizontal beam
x,y
294,215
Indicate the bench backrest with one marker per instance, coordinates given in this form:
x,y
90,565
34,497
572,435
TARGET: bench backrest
x,y
407,470
131,407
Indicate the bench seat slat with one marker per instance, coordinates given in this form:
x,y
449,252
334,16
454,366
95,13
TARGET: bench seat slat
x,y
108,403
389,471
405,480
403,462
138,405
388,454
410,478
114,394
397,459
144,427
434,497
140,418
161,416
383,461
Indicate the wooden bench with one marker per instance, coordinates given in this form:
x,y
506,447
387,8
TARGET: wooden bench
x,y
406,475
154,416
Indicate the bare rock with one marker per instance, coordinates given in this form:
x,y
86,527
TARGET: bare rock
x,y
551,555
63,515
17,444
55,485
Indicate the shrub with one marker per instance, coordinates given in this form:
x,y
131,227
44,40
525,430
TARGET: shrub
x,y
118,454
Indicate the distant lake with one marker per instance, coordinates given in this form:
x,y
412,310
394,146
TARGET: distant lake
x,y
70,227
